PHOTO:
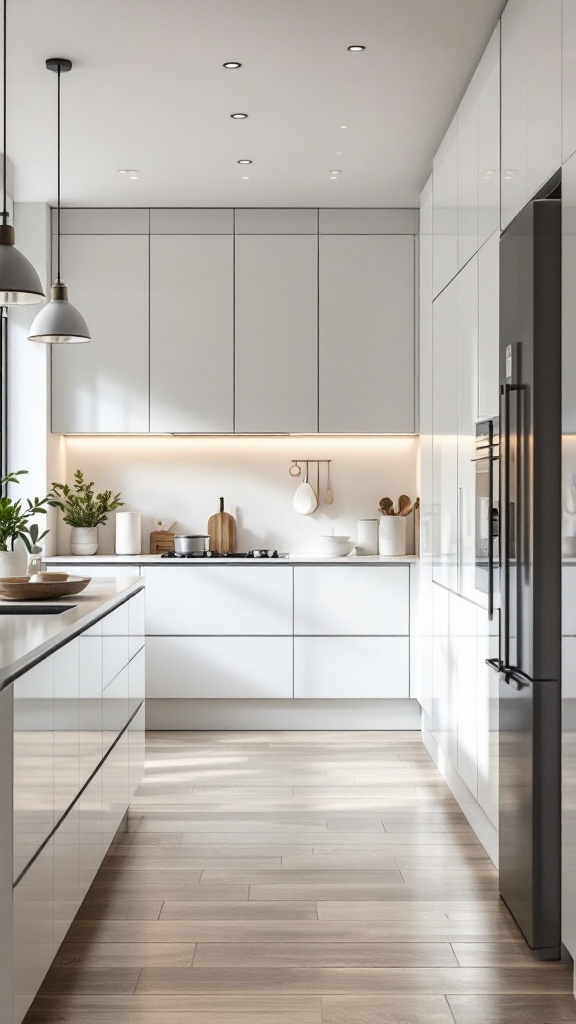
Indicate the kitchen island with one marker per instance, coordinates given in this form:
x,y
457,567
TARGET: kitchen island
x,y
72,755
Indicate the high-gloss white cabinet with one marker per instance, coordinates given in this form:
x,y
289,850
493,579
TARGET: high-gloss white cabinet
x,y
488,685
219,600
444,720
366,344
467,334
489,327
445,438
568,304
568,78
102,386
33,930
468,182
191,333
464,668
276,334
531,99
351,667
488,85
337,601
227,667
445,216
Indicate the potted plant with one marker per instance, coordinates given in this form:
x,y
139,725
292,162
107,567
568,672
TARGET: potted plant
x,y
84,511
15,524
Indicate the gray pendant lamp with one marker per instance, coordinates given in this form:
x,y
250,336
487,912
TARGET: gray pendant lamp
x,y
19,282
59,322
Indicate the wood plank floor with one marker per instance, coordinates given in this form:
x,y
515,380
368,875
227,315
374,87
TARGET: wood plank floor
x,y
297,878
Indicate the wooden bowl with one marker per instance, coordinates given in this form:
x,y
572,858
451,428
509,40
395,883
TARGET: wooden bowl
x,y
19,588
49,577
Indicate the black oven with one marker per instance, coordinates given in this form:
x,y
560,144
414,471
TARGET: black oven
x,y
486,509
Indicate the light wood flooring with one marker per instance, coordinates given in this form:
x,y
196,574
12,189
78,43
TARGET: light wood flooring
x,y
297,878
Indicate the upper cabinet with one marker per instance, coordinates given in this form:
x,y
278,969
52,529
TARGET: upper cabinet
x,y
366,344
276,318
468,175
191,321
445,216
248,321
531,99
568,78
102,386
488,92
569,298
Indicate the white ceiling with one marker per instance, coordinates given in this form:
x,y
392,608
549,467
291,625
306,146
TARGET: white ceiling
x,y
148,91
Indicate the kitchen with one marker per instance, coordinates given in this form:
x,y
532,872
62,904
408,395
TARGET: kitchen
x,y
325,785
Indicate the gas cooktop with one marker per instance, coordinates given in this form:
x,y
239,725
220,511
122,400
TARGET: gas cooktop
x,y
257,553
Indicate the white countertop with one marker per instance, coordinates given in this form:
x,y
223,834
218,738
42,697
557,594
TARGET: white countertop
x,y
283,560
27,639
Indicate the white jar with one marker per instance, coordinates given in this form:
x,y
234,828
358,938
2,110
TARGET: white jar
x,y
392,535
367,534
128,533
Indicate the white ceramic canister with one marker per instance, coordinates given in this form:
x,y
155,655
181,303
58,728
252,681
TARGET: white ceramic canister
x,y
367,534
392,535
128,533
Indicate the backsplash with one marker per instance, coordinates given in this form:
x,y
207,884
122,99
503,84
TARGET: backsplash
x,y
182,478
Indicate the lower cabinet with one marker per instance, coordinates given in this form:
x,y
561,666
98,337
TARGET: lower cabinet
x,y
351,667
219,667
33,929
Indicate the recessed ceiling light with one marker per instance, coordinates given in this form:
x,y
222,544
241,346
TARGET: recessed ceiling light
x,y
344,126
238,117
335,172
356,48
130,171
339,152
244,161
232,64
245,177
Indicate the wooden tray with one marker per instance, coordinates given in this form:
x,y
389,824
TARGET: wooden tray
x,y
19,588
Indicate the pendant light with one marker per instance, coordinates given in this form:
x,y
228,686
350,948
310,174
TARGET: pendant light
x,y
19,282
59,322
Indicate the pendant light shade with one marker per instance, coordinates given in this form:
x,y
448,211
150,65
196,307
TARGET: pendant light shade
x,y
19,282
59,322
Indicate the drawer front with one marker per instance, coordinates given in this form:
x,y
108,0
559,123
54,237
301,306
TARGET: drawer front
x,y
209,600
351,601
136,623
227,667
351,667
89,569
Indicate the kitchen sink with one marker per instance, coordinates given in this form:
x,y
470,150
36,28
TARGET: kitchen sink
x,y
35,609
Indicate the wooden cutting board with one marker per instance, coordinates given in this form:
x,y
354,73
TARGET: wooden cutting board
x,y
222,530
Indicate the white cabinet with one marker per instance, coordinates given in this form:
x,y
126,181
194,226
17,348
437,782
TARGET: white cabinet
x,y
464,667
33,929
352,667
489,327
467,215
66,726
422,626
191,334
102,386
366,317
445,438
226,667
569,302
488,81
33,807
213,600
445,178
531,99
444,680
467,285
339,601
568,78
276,333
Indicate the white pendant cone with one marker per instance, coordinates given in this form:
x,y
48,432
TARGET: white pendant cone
x,y
59,322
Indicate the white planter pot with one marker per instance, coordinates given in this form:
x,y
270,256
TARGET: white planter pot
x,y
392,535
12,563
84,540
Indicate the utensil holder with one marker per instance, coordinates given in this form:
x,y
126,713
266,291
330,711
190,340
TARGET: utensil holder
x,y
392,535
367,537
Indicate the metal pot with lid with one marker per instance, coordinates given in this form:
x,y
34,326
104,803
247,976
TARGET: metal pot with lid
x,y
186,544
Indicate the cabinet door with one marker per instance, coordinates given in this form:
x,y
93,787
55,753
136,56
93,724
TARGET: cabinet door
x,y
90,833
136,748
115,789
568,78
136,622
330,668
488,717
569,307
445,438
445,188
67,892
213,600
226,667
489,327
33,761
66,726
276,334
444,684
191,333
468,174
421,638
467,404
463,626
489,139
102,386
90,719
351,600
367,334
544,91
514,170
33,910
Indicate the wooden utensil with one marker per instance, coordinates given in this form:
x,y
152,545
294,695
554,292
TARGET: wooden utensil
x,y
410,507
305,500
387,506
329,496
403,502
222,531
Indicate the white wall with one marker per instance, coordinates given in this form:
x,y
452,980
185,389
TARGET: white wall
x,y
182,478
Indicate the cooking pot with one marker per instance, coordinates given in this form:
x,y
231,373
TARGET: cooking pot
x,y
186,544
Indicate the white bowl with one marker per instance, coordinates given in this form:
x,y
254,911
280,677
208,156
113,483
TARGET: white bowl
x,y
336,546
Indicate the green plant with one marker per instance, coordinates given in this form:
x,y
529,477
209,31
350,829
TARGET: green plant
x,y
81,507
15,518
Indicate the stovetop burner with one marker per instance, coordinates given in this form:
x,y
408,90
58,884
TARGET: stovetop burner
x,y
256,553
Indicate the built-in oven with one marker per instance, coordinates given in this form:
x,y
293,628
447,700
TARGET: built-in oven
x,y
487,509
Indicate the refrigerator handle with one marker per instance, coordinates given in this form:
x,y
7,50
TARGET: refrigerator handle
x,y
491,538
505,545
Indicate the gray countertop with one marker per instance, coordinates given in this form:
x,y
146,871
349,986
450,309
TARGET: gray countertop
x,y
287,560
27,639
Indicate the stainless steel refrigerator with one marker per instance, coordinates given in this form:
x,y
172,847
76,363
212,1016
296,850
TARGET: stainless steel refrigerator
x,y
530,572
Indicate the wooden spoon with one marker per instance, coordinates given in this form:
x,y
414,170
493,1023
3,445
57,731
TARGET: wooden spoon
x,y
403,502
329,496
387,506
411,507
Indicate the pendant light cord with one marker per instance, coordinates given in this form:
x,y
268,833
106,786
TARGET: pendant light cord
x,y
4,204
58,216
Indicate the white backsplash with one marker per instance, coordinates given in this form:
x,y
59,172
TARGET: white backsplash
x,y
182,479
